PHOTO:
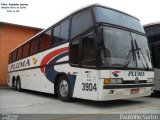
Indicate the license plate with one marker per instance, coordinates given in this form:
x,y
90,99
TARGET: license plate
x,y
134,91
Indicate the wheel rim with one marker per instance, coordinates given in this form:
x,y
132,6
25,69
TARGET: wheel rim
x,y
14,83
63,88
18,85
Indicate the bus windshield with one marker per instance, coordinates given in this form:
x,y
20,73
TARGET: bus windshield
x,y
117,18
124,49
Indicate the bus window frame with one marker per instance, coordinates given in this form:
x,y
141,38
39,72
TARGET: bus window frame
x,y
79,62
29,42
69,30
83,10
15,51
10,57
93,29
37,38
21,53
80,57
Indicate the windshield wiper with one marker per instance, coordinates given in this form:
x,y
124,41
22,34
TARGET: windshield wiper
x,y
138,52
135,52
130,53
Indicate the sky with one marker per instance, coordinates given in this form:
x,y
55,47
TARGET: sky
x,y
44,13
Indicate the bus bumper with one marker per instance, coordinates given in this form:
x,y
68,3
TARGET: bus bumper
x,y
123,91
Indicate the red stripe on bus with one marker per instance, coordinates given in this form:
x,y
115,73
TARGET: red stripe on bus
x,y
49,56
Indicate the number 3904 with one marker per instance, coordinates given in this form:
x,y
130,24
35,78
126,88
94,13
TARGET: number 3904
x,y
89,87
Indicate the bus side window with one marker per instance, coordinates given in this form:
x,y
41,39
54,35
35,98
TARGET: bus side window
x,y
14,56
64,31
81,22
19,53
61,32
56,33
75,52
155,55
158,55
10,57
34,46
45,40
88,50
25,50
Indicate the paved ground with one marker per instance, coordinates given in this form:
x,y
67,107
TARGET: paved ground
x,y
30,102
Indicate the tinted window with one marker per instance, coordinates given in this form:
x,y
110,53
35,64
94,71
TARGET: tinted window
x,y
75,51
144,52
114,54
124,49
117,18
81,22
45,40
10,57
64,30
156,55
26,50
34,46
19,53
56,34
88,50
60,32
14,56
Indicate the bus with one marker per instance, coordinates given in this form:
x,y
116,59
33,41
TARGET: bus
x,y
96,53
153,34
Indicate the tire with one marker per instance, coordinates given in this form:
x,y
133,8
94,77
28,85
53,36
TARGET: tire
x,y
64,89
14,84
18,85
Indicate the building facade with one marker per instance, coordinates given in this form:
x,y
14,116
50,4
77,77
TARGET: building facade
x,y
11,36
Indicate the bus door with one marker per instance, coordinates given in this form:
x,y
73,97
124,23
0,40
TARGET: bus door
x,y
89,72
83,60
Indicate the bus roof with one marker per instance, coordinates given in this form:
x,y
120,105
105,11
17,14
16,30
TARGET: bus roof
x,y
72,13
152,29
152,24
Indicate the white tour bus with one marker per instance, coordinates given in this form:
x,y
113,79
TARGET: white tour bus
x,y
153,33
97,53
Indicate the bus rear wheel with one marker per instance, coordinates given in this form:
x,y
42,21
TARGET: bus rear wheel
x,y
63,89
18,84
14,84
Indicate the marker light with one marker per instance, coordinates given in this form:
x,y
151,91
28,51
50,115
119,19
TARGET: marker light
x,y
113,81
106,81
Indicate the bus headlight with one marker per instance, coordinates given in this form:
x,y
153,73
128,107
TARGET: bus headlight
x,y
113,81
150,79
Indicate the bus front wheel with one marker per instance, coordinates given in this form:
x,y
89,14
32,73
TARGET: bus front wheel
x,y
63,89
